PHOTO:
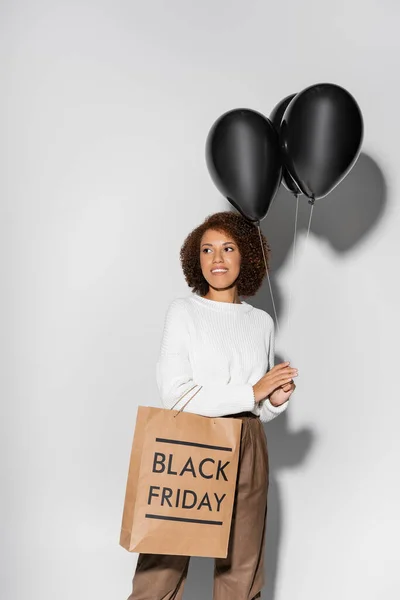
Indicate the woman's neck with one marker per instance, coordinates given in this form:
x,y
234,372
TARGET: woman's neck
x,y
223,296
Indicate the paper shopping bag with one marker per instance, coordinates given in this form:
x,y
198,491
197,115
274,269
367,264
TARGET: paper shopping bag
x,y
181,483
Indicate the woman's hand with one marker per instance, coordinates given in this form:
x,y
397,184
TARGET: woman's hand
x,y
278,376
282,394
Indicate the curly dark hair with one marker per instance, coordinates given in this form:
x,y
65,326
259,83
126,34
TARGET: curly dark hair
x,y
245,233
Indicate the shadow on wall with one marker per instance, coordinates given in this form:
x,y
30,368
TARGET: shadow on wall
x,y
343,218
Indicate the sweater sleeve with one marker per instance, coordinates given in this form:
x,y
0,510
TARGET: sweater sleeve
x,y
268,411
174,374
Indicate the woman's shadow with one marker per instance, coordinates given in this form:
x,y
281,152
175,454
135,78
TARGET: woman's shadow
x,y
344,218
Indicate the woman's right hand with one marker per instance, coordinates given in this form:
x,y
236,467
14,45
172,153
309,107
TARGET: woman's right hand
x,y
277,376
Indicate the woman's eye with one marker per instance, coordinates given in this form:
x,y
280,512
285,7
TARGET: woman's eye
x,y
228,247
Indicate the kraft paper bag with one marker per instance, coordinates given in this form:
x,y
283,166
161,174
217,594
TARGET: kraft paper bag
x,y
181,483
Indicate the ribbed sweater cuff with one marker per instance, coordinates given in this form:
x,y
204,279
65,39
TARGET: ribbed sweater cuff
x,y
277,410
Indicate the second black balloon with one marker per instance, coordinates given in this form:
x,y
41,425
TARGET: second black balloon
x,y
276,119
321,134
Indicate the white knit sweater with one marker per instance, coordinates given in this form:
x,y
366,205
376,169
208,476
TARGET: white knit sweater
x,y
224,347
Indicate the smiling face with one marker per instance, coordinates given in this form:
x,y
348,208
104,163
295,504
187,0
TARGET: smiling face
x,y
218,251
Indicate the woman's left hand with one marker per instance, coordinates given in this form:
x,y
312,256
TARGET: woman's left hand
x,y
282,394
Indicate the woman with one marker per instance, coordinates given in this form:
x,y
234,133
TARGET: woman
x,y
213,339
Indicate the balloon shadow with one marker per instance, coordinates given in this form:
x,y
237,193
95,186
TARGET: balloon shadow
x,y
344,219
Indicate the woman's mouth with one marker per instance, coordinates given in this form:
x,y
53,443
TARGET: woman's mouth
x,y
219,271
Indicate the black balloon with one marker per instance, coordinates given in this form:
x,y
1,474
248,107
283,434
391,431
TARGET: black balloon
x,y
244,160
321,135
276,119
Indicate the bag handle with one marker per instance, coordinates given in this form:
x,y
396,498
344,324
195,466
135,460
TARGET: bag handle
x,y
184,394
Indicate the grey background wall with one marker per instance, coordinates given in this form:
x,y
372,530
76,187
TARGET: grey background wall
x,y
105,107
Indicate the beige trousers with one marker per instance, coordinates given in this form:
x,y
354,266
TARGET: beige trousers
x,y
240,576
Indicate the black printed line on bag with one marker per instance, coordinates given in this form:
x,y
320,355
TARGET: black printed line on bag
x,y
194,444
182,519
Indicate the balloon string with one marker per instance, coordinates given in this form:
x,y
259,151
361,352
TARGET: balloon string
x,y
293,259
311,201
269,281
